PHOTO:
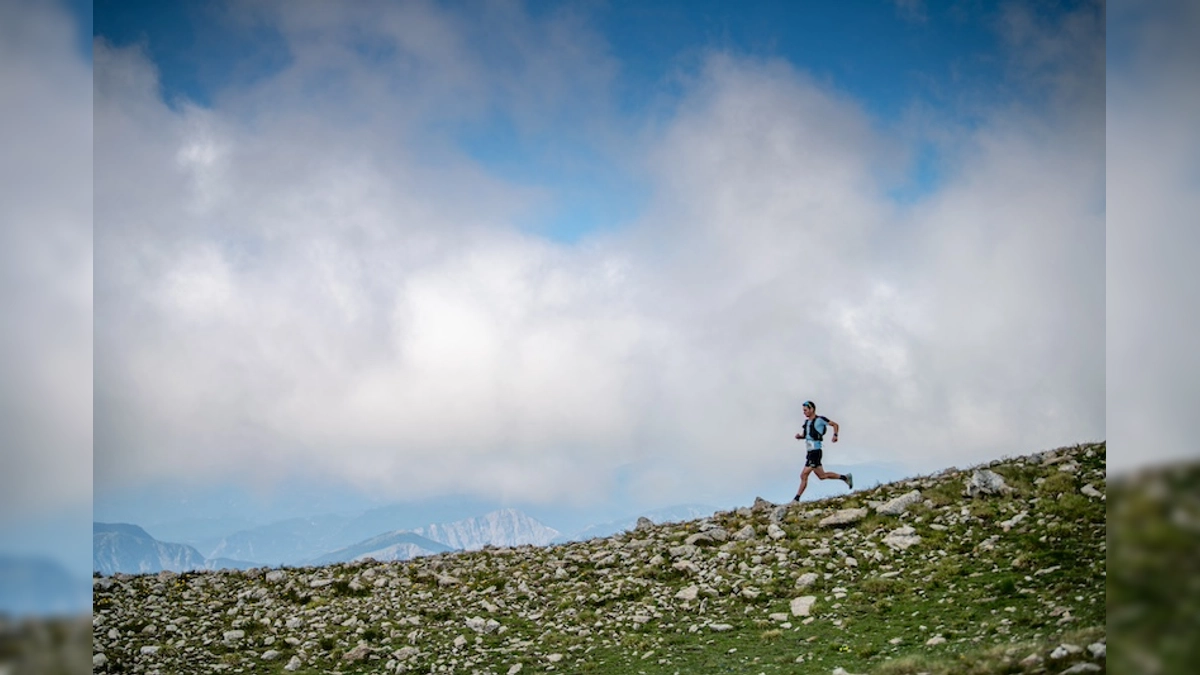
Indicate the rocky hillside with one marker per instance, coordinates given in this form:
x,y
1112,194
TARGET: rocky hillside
x,y
45,646
1154,590
997,568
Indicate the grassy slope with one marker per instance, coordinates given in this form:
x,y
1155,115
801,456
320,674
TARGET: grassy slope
x,y
1154,590
996,596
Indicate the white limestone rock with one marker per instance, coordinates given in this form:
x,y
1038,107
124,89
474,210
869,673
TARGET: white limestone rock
x,y
843,517
984,482
902,538
802,606
900,504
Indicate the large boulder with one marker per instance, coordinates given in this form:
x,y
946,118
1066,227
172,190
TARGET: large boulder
x,y
898,505
843,517
984,483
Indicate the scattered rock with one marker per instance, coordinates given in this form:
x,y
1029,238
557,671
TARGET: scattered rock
x,y
1009,524
984,482
483,626
843,517
357,654
1064,650
900,504
802,606
901,538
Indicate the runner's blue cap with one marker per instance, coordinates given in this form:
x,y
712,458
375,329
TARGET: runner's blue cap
x,y
809,404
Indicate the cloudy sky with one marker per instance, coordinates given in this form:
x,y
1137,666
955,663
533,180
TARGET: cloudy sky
x,y
536,252
540,253
45,283
1153,148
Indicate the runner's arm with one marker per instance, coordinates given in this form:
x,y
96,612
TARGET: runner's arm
x,y
835,429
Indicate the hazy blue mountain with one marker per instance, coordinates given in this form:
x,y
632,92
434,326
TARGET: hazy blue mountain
x,y
121,547
385,547
410,516
671,514
203,534
505,527
336,538
286,542
34,586
230,564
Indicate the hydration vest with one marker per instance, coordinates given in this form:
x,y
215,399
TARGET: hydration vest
x,y
810,428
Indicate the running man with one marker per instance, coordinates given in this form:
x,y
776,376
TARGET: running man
x,y
815,427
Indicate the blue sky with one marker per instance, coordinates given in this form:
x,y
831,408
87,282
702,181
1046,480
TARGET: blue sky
x,y
888,55
581,257
893,58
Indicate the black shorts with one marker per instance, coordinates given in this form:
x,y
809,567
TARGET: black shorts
x,y
813,458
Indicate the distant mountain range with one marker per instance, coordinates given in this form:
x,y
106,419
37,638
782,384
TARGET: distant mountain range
x,y
31,586
324,540
286,542
121,547
384,548
506,527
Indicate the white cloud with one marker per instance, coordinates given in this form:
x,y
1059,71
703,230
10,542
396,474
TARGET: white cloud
x,y
1153,148
45,266
339,291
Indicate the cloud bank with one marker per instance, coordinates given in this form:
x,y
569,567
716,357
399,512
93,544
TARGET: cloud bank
x,y
312,276
1153,148
45,266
